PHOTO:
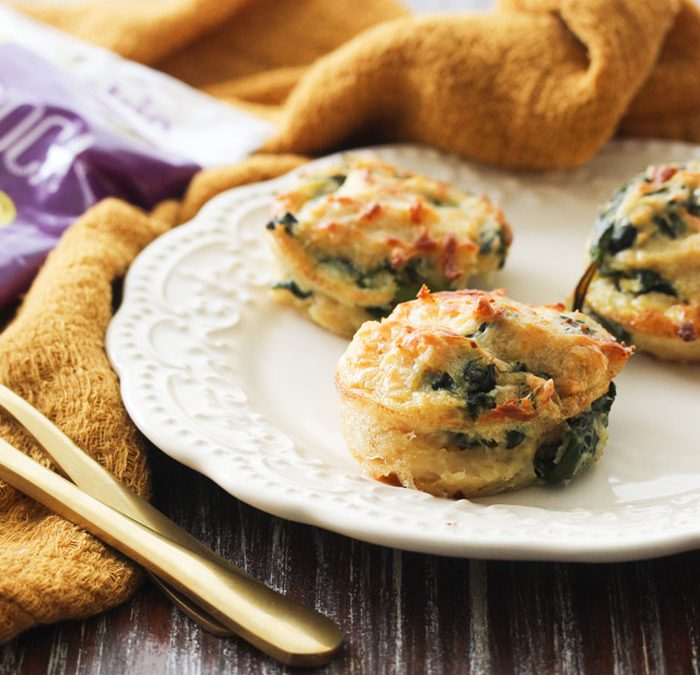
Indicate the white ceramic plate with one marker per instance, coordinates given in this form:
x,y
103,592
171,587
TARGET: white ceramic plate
x,y
225,380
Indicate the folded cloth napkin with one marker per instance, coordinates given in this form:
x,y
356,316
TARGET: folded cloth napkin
x,y
537,84
53,355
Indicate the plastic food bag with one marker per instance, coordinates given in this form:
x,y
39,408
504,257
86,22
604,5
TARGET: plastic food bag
x,y
78,124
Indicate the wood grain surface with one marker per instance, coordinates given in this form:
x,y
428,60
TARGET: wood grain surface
x,y
401,612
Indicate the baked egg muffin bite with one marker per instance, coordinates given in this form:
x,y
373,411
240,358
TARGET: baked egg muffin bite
x,y
468,393
644,279
354,240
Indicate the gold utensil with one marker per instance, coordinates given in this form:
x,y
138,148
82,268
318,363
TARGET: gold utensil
x,y
217,590
94,479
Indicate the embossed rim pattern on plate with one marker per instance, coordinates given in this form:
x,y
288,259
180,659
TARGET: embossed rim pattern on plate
x,y
235,445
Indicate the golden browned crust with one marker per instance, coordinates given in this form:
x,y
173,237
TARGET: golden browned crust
x,y
353,240
455,392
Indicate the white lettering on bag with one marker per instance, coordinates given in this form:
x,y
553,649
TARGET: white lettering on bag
x,y
14,133
26,132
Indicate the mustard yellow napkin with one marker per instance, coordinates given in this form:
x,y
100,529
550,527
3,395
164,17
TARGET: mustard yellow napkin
x,y
539,83
53,355
536,84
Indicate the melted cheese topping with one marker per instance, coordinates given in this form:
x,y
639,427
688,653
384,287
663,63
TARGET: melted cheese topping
x,y
542,361
467,393
366,234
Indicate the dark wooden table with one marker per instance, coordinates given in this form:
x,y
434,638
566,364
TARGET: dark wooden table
x,y
401,612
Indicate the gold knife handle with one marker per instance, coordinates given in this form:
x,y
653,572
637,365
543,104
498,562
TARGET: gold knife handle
x,y
291,633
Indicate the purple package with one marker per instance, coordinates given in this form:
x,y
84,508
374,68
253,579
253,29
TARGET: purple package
x,y
62,150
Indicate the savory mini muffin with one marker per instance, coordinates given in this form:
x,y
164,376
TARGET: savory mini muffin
x,y
468,393
645,283
354,240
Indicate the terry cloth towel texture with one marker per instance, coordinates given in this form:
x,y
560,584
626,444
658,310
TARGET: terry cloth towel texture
x,y
536,84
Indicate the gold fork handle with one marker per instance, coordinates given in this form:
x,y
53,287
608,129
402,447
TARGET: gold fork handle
x,y
285,630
